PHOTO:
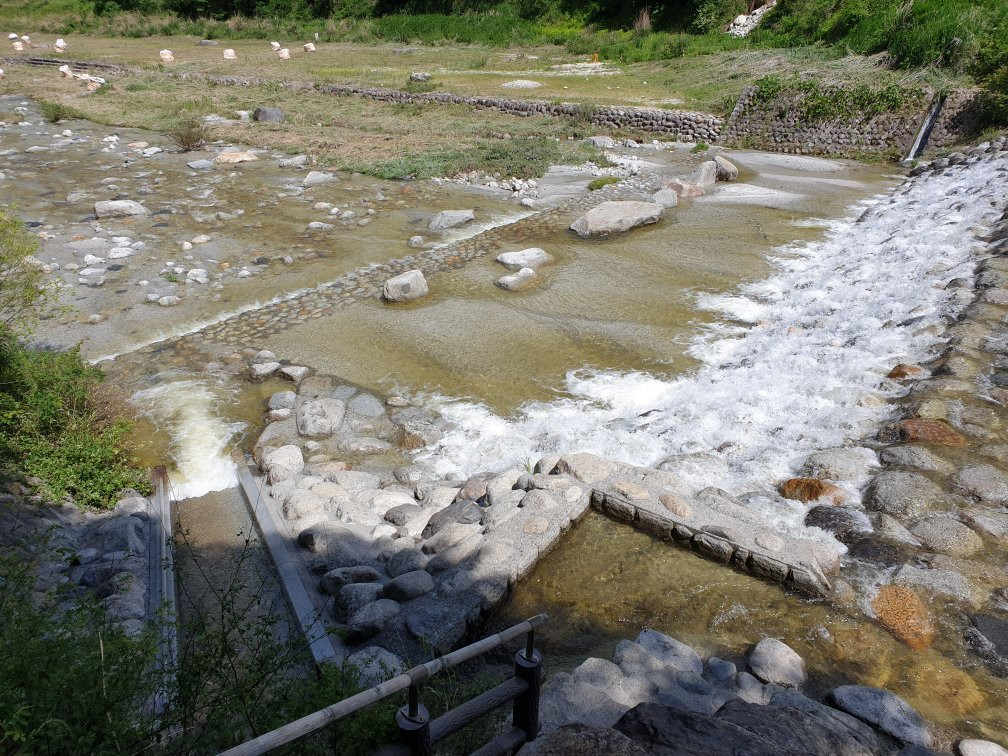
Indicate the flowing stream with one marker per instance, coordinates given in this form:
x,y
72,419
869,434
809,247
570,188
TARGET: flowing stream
x,y
753,326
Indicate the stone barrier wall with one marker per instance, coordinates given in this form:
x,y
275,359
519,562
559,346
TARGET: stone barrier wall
x,y
959,118
684,125
776,124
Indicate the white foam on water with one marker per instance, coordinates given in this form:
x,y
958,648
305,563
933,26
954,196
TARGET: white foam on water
x,y
187,410
836,315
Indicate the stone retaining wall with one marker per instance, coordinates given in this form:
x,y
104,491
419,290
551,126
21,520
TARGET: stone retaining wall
x,y
960,116
776,125
682,124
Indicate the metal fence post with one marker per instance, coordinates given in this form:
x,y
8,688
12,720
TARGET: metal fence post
x,y
528,667
413,720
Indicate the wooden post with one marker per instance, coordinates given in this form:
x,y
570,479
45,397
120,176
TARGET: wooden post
x,y
413,720
528,667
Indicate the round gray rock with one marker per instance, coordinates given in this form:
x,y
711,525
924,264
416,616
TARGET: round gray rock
x,y
946,535
369,620
409,585
775,662
984,483
903,494
884,710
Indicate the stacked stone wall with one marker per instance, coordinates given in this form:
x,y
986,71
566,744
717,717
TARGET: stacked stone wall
x,y
777,124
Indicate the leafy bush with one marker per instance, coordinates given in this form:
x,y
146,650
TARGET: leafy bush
x,y
53,426
55,111
190,134
70,681
817,102
25,295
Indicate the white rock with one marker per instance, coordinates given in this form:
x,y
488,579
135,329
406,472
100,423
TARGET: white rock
x,y
616,217
532,257
451,219
665,198
167,56
516,281
119,209
405,287
229,54
314,178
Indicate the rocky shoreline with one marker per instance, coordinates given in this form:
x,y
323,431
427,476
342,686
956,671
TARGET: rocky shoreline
x,y
404,561
658,696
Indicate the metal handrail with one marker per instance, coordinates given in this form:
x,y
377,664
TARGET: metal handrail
x,y
413,720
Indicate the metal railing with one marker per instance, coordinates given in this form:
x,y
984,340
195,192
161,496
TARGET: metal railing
x,y
418,733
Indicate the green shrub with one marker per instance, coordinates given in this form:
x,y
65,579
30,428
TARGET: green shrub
x,y
55,111
189,134
599,183
70,681
59,425
700,146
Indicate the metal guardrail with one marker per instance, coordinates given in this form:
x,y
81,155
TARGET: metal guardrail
x,y
418,733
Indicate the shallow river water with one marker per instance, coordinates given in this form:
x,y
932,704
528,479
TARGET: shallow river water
x,y
636,347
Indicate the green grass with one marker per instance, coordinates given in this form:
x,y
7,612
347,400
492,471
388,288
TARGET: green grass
x,y
55,111
599,183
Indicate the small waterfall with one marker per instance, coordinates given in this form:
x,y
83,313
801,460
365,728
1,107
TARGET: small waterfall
x,y
925,130
795,363
188,411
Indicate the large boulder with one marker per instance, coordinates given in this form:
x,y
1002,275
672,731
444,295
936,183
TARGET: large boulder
x,y
985,483
314,178
706,175
409,585
740,727
282,463
119,209
320,417
579,739
903,614
946,535
775,662
883,710
841,463
665,198
405,287
616,217
375,665
903,494
532,257
726,170
685,188
587,468
451,219
268,115
371,619
516,281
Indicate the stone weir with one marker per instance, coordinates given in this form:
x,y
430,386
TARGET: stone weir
x,y
396,558
682,124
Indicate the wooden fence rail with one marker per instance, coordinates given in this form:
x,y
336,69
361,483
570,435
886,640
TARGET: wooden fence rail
x,y
418,733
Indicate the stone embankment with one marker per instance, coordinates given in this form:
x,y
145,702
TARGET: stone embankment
x,y
937,510
777,124
684,125
81,553
405,560
658,696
